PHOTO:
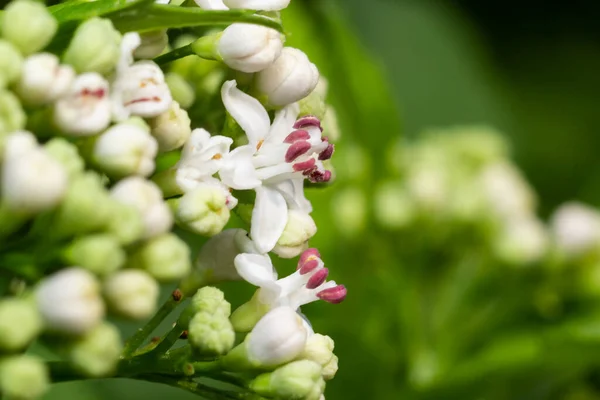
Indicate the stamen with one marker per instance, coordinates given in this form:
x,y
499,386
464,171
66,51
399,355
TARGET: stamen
x,y
333,295
317,279
217,156
259,144
327,153
309,266
296,150
307,255
304,165
296,135
308,122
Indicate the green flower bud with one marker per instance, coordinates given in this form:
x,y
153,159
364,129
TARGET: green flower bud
x,y
171,129
11,63
331,368
296,380
319,348
125,223
28,25
67,154
182,92
97,353
211,334
165,257
132,293
331,124
95,47
20,323
203,210
248,314
152,44
314,104
99,253
12,116
23,377
212,301
299,229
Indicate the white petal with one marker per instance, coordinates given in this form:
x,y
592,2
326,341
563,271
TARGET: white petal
x,y
256,269
269,218
293,192
237,170
263,5
283,124
129,43
211,4
247,111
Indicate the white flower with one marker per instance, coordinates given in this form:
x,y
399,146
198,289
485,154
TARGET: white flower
x,y
201,157
147,198
304,286
139,88
507,191
262,5
290,78
69,301
277,338
125,149
132,293
218,254
31,180
275,162
248,47
85,109
522,241
576,228
43,79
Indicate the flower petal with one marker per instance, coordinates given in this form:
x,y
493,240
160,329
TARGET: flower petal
x,y
129,43
247,111
293,192
237,170
269,218
211,4
262,5
256,269
283,124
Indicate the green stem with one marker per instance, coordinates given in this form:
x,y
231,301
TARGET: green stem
x,y
205,391
169,340
176,54
135,341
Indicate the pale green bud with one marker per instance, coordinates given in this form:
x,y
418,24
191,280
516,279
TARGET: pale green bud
x,y
393,206
203,210
11,63
172,128
245,317
67,154
314,104
165,257
522,241
100,253
12,116
212,301
331,368
125,223
319,348
152,44
95,47
132,293
211,334
20,323
28,25
331,124
182,92
296,380
97,353
299,229
23,377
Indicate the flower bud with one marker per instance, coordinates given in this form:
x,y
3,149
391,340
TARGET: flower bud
x,y
314,104
212,301
522,241
319,348
172,128
210,334
331,124
100,253
331,368
20,323
243,47
67,155
508,193
147,198
245,317
31,182
296,380
152,44
576,228
23,377
11,63
85,108
182,92
260,5
165,257
69,301
28,25
299,229
203,210
125,223
12,116
125,149
95,47
97,353
289,79
277,338
43,79
132,293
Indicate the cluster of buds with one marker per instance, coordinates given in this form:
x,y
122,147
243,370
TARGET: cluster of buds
x,y
100,163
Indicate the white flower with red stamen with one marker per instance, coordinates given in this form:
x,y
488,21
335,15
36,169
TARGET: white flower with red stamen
x,y
275,162
139,88
309,282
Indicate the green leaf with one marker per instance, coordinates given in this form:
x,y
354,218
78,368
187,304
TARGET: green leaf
x,y
78,10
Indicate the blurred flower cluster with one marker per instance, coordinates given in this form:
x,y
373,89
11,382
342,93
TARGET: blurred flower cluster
x,y
114,146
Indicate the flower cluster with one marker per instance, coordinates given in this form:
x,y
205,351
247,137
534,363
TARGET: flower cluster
x,y
107,156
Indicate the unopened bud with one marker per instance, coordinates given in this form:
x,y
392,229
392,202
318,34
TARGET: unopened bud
x,y
576,228
319,348
296,380
314,104
11,63
12,116
126,223
212,301
172,128
181,90
20,323
95,47
152,44
260,5
331,368
69,301
100,253
43,79
299,229
67,154
165,257
132,293
290,78
28,25
522,241
203,210
23,377
97,353
210,334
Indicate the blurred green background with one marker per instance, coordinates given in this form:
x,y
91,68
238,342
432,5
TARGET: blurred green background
x,y
397,68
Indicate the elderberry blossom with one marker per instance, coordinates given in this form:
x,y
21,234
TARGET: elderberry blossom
x,y
43,79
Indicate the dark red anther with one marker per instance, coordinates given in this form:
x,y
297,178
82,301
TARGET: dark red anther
x,y
320,176
308,266
317,279
296,135
327,153
296,150
308,121
307,254
333,295
304,165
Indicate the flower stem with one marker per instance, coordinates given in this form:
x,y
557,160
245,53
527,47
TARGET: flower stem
x,y
135,341
176,54
208,392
